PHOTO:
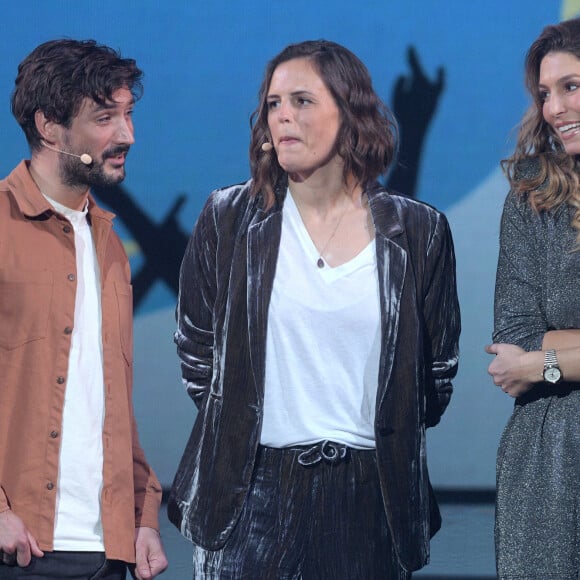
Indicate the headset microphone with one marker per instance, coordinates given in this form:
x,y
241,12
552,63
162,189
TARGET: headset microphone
x,y
267,146
85,158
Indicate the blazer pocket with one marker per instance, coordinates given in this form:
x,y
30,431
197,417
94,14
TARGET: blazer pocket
x,y
25,301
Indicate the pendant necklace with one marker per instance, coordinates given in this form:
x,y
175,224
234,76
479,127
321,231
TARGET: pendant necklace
x,y
320,262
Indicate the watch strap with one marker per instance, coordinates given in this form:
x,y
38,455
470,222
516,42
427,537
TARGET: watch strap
x,y
550,358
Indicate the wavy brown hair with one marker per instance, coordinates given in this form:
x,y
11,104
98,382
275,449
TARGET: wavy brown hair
x,y
58,75
367,138
556,178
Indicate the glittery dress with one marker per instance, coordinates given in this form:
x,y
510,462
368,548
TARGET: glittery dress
x,y
538,465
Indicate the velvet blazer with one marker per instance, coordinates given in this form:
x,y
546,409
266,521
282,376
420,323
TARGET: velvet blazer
x,y
225,287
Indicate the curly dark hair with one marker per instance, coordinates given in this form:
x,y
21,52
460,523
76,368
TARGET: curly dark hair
x,y
556,179
58,75
368,135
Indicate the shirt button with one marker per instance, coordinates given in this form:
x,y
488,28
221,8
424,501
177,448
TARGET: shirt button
x,y
60,380
71,277
66,229
68,330
54,434
50,485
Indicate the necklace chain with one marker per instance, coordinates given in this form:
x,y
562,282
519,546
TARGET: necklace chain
x,y
320,262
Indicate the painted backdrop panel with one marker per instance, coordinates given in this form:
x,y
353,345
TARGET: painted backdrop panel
x,y
458,68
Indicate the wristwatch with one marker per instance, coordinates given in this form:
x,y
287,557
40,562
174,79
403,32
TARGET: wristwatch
x,y
552,373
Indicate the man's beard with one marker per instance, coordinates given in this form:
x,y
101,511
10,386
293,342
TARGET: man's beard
x,y
74,173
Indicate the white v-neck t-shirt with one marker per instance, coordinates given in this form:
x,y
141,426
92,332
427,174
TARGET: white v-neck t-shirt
x,y
323,345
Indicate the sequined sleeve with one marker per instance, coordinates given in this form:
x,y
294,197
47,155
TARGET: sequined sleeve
x,y
519,312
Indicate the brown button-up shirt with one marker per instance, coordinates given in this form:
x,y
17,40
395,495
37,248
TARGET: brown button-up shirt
x,y
38,281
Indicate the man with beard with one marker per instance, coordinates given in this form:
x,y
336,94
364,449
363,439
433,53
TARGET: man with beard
x,y
77,497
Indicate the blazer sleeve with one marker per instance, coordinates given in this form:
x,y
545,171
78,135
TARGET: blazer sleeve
x,y
518,312
195,305
442,319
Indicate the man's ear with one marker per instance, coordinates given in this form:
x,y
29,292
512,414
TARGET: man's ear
x,y
47,129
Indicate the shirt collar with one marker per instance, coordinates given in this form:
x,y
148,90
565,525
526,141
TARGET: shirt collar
x,y
75,216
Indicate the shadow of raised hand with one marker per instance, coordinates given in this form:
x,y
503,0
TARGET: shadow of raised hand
x,y
415,99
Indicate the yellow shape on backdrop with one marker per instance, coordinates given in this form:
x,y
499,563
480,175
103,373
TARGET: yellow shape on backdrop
x,y
570,9
131,247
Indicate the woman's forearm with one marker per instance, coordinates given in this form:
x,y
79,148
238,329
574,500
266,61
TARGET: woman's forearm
x,y
566,343
569,363
561,339
516,371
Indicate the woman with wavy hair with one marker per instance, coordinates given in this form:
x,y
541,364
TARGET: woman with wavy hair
x,y
537,318
317,330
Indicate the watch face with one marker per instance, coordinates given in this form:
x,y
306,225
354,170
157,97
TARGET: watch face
x,y
552,374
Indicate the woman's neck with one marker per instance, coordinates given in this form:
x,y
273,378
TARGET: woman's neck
x,y
323,195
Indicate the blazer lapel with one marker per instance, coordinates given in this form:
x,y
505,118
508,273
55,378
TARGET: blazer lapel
x,y
263,244
391,266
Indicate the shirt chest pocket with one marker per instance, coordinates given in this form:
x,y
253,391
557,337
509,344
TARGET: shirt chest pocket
x,y
25,300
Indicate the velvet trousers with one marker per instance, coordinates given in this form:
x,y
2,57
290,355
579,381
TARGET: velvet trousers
x,y
312,513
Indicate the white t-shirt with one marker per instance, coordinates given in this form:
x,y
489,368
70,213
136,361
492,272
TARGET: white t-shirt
x,y
78,524
323,345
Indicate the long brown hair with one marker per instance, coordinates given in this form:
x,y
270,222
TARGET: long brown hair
x,y
367,139
556,180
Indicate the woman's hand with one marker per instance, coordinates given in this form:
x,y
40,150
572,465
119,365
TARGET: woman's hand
x,y
513,369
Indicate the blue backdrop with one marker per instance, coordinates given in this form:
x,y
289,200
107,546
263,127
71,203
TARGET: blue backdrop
x,y
203,64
